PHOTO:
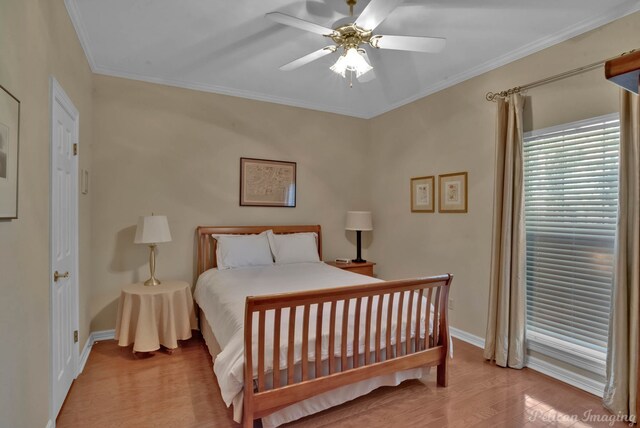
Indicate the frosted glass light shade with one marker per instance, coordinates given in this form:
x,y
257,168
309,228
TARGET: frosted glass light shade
x,y
152,229
351,61
359,220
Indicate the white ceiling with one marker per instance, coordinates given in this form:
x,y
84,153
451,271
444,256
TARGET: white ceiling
x,y
229,47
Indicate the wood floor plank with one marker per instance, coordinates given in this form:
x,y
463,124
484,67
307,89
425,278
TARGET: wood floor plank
x,y
118,389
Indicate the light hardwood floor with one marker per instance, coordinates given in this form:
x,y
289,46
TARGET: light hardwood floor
x,y
117,389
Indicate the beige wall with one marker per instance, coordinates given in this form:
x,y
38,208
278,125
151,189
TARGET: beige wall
x,y
36,40
453,131
177,152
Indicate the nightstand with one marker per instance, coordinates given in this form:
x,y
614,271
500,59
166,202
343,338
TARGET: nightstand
x,y
365,268
150,316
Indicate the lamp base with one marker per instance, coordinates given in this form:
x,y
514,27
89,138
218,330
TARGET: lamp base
x,y
152,266
152,281
359,258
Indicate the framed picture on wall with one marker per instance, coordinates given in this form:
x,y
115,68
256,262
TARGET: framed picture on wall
x,y
422,200
453,193
267,183
9,143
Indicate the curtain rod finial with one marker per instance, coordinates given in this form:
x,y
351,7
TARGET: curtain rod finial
x,y
491,96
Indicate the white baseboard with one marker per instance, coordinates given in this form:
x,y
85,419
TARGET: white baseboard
x,y
467,337
566,376
574,379
93,338
84,355
103,335
544,367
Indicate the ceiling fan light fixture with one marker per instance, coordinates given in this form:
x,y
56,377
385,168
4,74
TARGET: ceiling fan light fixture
x,y
353,36
351,61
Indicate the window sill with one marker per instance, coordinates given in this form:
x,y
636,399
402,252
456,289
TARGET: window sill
x,y
578,356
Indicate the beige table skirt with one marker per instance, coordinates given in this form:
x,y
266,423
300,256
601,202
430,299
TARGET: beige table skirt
x,y
150,316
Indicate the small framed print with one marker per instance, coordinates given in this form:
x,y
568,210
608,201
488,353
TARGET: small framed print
x,y
9,145
453,193
267,183
422,194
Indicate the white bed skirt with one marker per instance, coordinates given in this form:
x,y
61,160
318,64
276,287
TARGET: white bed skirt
x,y
315,404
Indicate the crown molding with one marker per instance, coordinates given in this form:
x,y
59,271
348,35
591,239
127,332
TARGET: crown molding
x,y
233,92
526,50
83,36
531,48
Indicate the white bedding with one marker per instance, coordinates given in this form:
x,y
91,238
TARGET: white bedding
x,y
221,295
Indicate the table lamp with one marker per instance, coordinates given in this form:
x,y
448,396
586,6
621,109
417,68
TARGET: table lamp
x,y
152,230
359,221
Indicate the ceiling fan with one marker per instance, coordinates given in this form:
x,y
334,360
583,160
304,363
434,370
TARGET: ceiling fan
x,y
350,37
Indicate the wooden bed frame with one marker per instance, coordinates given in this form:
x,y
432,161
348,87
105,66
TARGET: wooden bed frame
x,y
432,350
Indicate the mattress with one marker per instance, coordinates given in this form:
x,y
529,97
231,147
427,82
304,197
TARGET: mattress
x,y
221,296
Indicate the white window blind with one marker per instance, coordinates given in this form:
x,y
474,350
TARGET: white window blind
x,y
571,202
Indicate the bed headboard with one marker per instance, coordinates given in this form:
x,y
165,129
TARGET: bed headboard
x,y
206,258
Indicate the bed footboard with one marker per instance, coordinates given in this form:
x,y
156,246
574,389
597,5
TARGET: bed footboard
x,y
411,333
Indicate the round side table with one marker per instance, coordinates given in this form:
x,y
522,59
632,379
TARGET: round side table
x,y
150,316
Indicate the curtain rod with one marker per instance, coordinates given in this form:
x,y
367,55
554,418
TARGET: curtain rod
x,y
491,96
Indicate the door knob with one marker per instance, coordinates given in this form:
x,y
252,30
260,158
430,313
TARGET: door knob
x,y
57,275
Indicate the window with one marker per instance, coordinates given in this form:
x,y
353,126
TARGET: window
x,y
571,203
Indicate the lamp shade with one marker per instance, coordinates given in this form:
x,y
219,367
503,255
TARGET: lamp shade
x,y
359,220
152,230
351,60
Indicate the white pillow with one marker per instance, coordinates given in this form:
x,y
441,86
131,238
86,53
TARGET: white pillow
x,y
236,251
294,247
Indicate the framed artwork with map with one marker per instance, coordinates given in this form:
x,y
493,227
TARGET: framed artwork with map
x,y
422,194
9,141
453,193
267,183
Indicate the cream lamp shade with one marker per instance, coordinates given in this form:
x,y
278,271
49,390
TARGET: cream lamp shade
x,y
359,220
152,230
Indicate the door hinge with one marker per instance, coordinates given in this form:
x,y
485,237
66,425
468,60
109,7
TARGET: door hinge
x,y
75,336
75,149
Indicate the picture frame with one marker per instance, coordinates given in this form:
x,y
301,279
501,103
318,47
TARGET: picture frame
x,y
422,194
9,154
453,197
267,183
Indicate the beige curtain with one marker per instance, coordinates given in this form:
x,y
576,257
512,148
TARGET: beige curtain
x,y
622,357
506,319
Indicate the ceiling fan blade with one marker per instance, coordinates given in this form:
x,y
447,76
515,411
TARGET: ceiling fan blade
x,y
308,58
292,21
376,12
409,43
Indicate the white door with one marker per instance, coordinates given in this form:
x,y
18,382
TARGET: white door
x,y
64,244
